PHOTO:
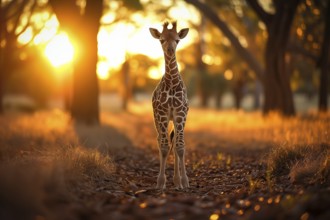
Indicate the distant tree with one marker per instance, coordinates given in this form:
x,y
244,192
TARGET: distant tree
x,y
324,62
82,20
278,93
275,78
127,84
15,19
311,42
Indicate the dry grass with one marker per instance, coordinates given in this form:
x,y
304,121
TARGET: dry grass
x,y
45,159
312,170
307,164
32,184
271,130
41,160
299,146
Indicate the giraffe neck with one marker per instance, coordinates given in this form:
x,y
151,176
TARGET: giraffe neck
x,y
172,74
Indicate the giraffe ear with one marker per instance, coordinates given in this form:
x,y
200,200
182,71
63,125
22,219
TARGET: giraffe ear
x,y
183,33
155,33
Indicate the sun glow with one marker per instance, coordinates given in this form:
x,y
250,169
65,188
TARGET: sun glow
x,y
155,73
103,70
48,32
26,37
123,39
115,42
59,50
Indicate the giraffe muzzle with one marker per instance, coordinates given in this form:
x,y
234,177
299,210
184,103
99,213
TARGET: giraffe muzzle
x,y
170,50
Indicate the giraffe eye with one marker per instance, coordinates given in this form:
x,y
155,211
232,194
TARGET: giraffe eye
x,y
162,41
177,41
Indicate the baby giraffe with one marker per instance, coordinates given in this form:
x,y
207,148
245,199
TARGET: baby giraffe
x,y
170,103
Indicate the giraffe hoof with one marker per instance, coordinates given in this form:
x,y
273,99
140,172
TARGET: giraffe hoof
x,y
179,186
177,182
161,182
185,181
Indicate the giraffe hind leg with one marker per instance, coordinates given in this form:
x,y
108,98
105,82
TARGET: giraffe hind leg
x,y
180,149
177,173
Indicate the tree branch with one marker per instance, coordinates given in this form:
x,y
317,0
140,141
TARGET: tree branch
x,y
262,14
36,33
5,9
29,19
19,13
67,13
220,24
295,48
93,12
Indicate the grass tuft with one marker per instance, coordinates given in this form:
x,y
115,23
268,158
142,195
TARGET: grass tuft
x,y
84,163
307,164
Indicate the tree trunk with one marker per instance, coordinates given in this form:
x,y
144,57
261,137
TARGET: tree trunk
x,y
2,57
218,90
67,92
6,65
83,29
85,106
127,88
256,94
276,81
238,88
1,91
324,64
2,78
218,96
278,94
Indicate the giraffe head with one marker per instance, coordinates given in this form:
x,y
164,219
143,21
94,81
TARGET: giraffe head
x,y
169,38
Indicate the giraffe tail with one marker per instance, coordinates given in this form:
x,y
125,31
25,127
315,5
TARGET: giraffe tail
x,y
171,139
172,136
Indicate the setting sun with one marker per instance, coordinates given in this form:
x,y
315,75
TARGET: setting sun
x,y
59,50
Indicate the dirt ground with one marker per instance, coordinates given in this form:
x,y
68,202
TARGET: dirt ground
x,y
227,159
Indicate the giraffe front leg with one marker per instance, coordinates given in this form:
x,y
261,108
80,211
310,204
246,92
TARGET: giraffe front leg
x,y
163,153
180,149
177,175
184,177
161,179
